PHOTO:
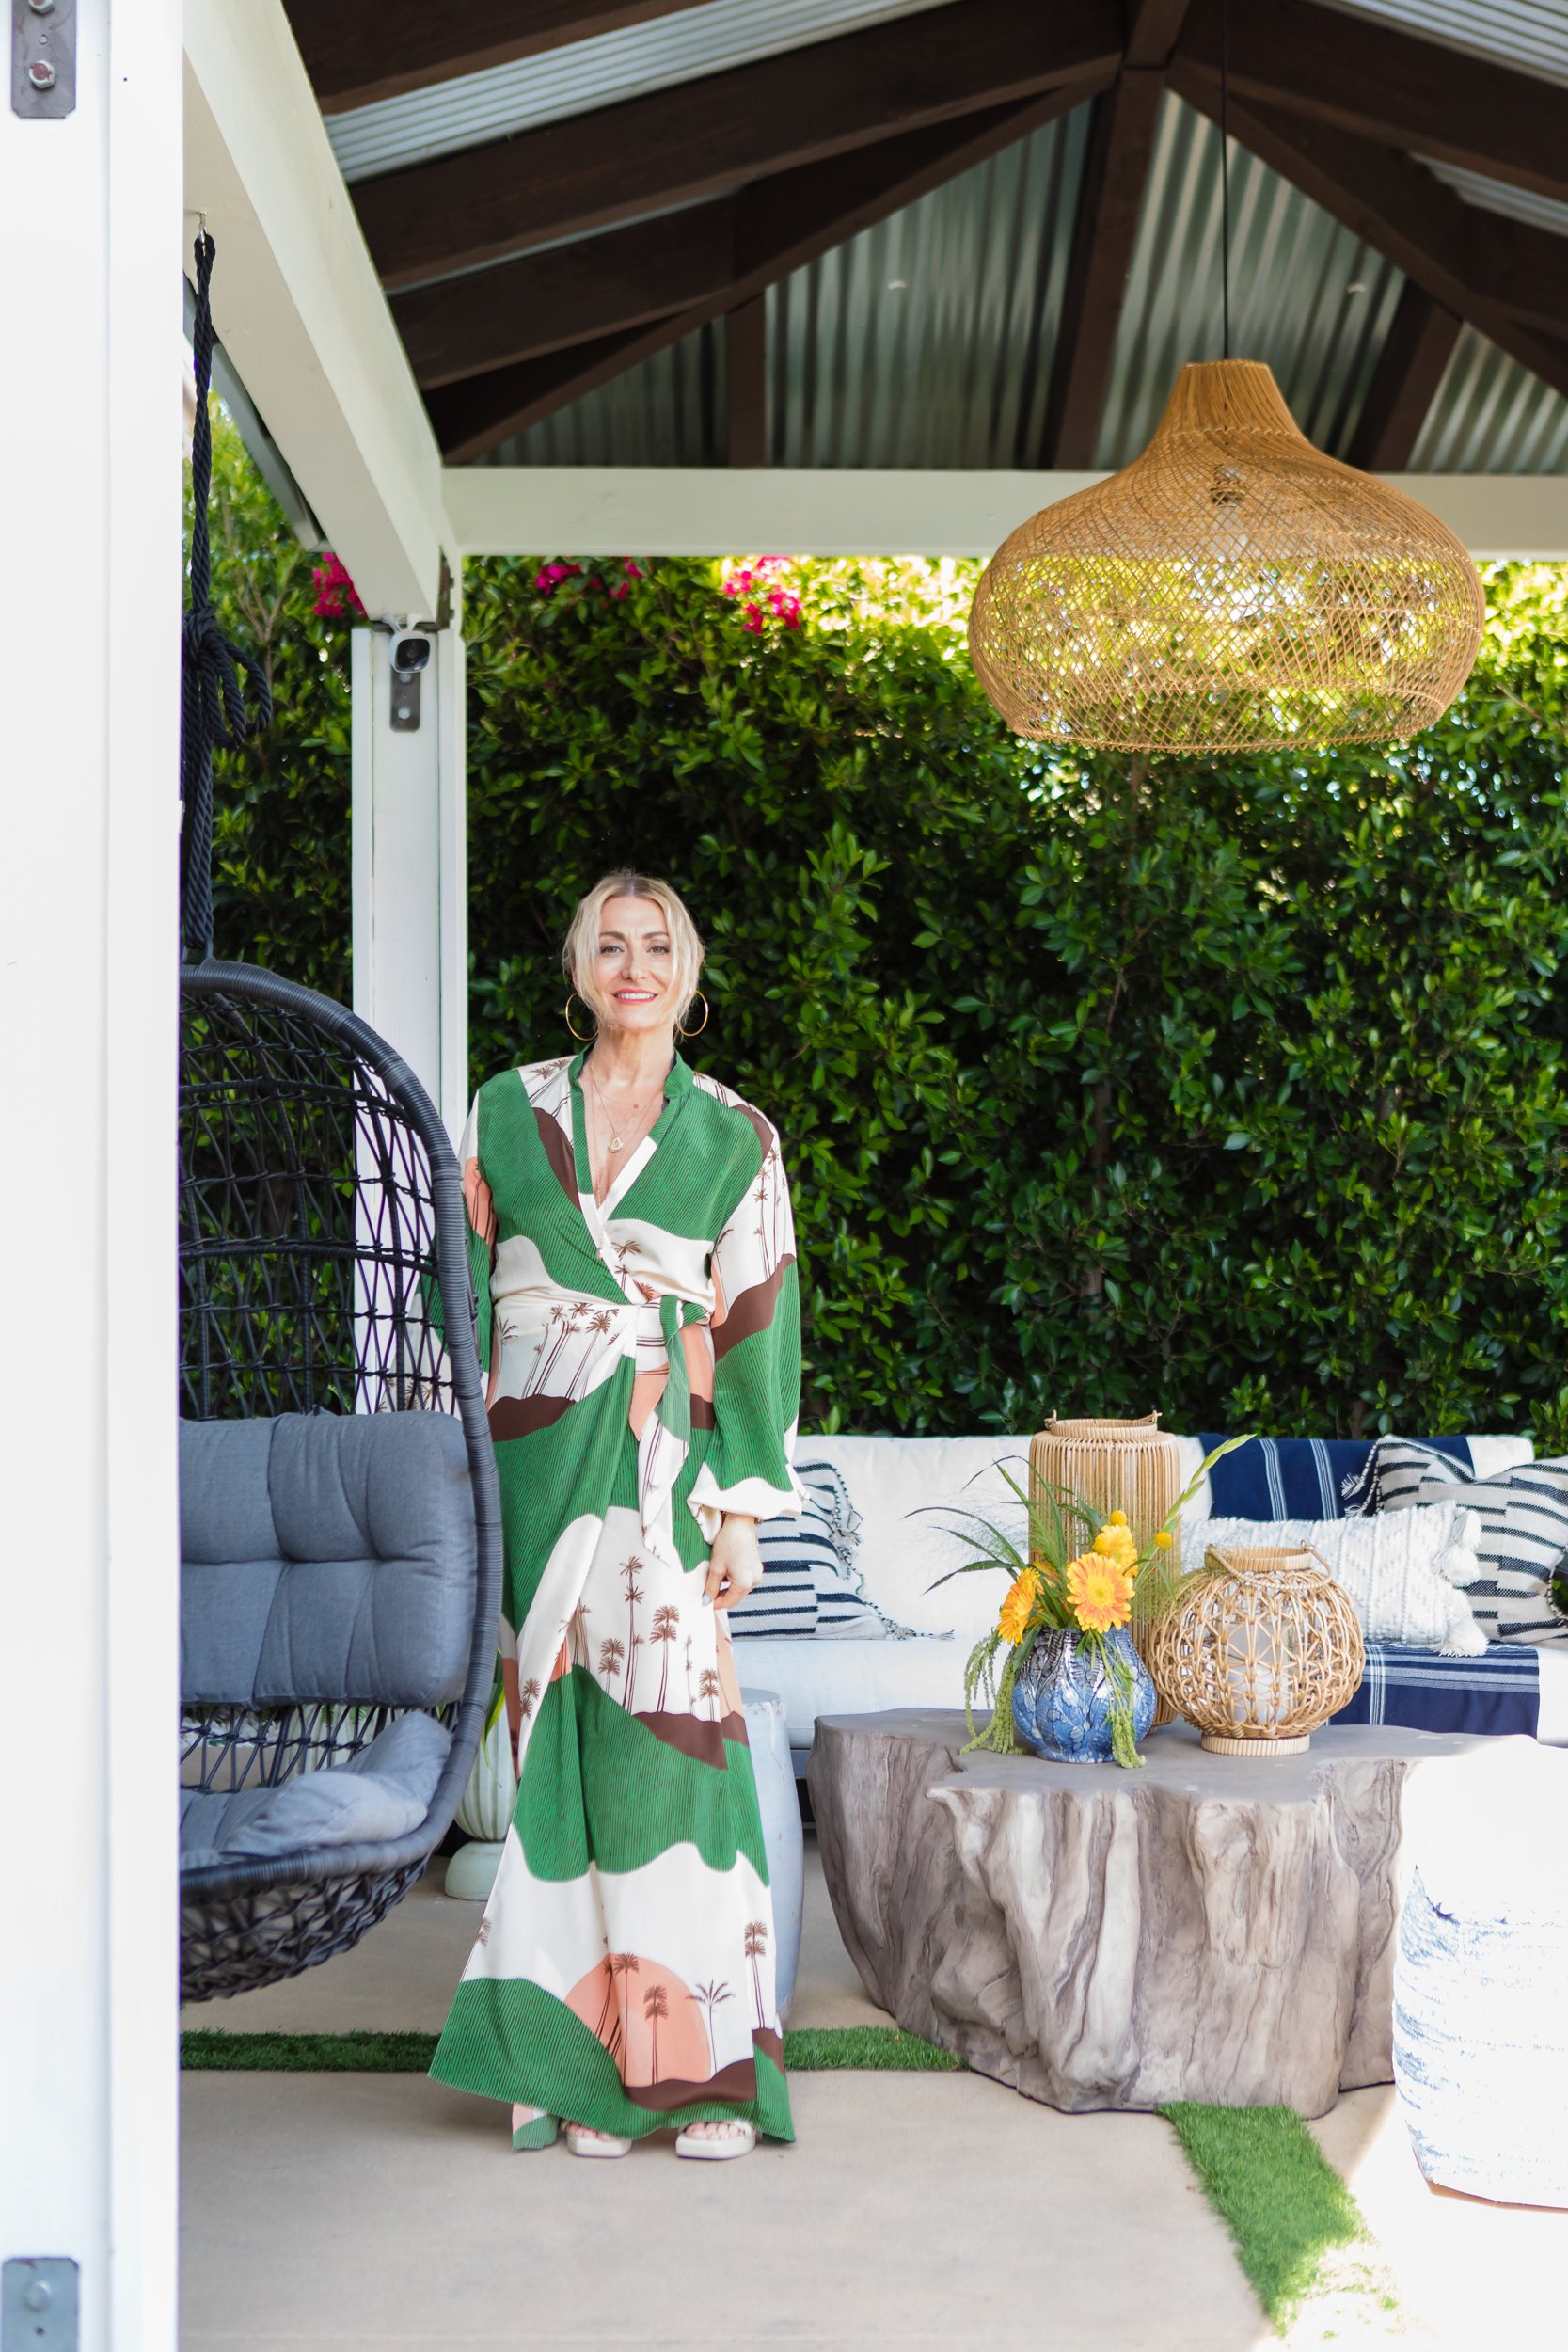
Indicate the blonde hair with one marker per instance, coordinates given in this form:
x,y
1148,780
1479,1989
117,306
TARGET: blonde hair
x,y
579,953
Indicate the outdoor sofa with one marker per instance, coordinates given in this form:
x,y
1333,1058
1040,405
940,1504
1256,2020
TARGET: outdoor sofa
x,y
901,1638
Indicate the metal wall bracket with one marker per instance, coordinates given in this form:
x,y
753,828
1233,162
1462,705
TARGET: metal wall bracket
x,y
39,2304
405,702
43,59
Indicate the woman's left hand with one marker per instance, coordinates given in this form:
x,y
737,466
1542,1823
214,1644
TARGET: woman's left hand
x,y
734,1565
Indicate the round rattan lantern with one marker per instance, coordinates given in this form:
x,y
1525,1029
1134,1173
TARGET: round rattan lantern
x,y
1230,590
1261,1649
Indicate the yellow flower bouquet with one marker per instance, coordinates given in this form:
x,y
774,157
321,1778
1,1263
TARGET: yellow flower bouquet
x,y
1059,1672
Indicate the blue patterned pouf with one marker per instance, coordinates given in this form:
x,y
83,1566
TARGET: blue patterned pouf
x,y
1062,1697
1480,2036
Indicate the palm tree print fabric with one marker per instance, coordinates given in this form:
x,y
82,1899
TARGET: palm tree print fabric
x,y
643,1358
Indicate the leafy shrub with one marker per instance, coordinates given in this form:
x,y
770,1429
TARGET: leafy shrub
x,y
1234,1089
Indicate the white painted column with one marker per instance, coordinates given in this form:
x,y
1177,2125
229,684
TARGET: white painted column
x,y
90,625
410,866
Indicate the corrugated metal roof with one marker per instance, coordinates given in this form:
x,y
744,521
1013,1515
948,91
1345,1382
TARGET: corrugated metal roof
x,y
1306,295
1491,416
927,340
1530,34
1495,196
471,109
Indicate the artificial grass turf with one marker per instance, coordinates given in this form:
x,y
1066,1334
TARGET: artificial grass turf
x,y
814,2049
1284,2205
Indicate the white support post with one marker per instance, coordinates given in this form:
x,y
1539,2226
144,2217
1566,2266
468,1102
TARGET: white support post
x,y
89,620
410,866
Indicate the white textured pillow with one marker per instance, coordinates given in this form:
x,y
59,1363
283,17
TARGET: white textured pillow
x,y
1403,1588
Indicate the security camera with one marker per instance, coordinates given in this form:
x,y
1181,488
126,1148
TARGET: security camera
x,y
410,652
409,656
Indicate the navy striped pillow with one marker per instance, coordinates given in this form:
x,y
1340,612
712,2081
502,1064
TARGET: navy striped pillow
x,y
1522,1542
800,1558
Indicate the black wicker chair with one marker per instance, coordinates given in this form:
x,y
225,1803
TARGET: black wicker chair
x,y
323,1270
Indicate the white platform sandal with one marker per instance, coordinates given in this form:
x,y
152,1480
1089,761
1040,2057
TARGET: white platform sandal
x,y
738,2141
582,2142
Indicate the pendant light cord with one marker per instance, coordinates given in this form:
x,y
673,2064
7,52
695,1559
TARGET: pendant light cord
x,y
1224,173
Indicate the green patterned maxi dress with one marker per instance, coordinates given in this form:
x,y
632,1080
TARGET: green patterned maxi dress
x,y
644,1366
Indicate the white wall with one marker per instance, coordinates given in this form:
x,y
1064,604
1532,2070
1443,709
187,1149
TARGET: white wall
x,y
89,600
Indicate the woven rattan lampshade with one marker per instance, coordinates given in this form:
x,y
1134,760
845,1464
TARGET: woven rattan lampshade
x,y
1261,1649
1231,590
1131,1466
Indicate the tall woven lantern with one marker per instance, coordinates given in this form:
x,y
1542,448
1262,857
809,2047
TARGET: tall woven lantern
x,y
1230,590
1131,1466
1261,1649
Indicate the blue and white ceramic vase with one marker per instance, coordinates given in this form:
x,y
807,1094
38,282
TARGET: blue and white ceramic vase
x,y
1063,1698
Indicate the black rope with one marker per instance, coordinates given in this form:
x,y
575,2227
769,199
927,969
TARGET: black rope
x,y
212,710
1225,171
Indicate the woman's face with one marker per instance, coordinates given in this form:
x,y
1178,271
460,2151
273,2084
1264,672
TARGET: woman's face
x,y
634,965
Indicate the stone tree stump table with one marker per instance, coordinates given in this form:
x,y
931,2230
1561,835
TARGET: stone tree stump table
x,y
1210,1928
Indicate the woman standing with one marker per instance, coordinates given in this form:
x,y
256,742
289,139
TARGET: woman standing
x,y
640,1318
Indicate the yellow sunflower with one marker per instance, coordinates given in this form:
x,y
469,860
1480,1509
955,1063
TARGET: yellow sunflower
x,y
1013,1623
1100,1593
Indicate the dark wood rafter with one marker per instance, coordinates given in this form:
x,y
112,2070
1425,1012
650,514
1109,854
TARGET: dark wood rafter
x,y
1478,266
1410,368
1106,228
745,383
359,51
781,223
712,136
571,293
1382,84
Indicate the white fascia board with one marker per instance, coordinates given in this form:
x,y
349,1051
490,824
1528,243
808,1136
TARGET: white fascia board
x,y
680,510
299,309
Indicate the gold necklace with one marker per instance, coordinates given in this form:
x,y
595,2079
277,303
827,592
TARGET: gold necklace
x,y
637,1109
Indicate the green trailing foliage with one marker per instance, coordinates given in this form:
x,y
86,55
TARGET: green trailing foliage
x,y
1232,1087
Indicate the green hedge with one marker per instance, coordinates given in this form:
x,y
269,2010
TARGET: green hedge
x,y
1231,1089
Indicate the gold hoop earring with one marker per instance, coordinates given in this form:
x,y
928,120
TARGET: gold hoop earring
x,y
581,1039
703,1022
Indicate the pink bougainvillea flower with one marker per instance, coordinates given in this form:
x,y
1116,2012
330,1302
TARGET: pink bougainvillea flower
x,y
335,595
616,594
633,571
752,618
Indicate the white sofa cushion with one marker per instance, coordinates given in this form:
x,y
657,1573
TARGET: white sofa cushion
x,y
1524,1531
1401,1569
851,1678
893,1483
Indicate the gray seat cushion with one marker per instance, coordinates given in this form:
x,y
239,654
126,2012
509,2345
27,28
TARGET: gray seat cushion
x,y
326,1556
379,1794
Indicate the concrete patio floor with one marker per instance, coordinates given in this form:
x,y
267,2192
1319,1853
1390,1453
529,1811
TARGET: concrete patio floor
x,y
337,2213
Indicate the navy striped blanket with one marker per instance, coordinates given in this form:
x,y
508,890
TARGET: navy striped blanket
x,y
1494,1695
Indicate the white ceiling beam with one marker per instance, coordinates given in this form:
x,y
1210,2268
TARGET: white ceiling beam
x,y
679,510
298,306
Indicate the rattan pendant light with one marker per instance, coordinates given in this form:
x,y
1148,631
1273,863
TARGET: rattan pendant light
x,y
1231,590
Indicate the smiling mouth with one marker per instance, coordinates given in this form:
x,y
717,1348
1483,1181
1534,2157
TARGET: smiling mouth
x,y
634,995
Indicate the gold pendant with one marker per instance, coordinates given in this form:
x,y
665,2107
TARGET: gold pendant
x,y
615,1143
